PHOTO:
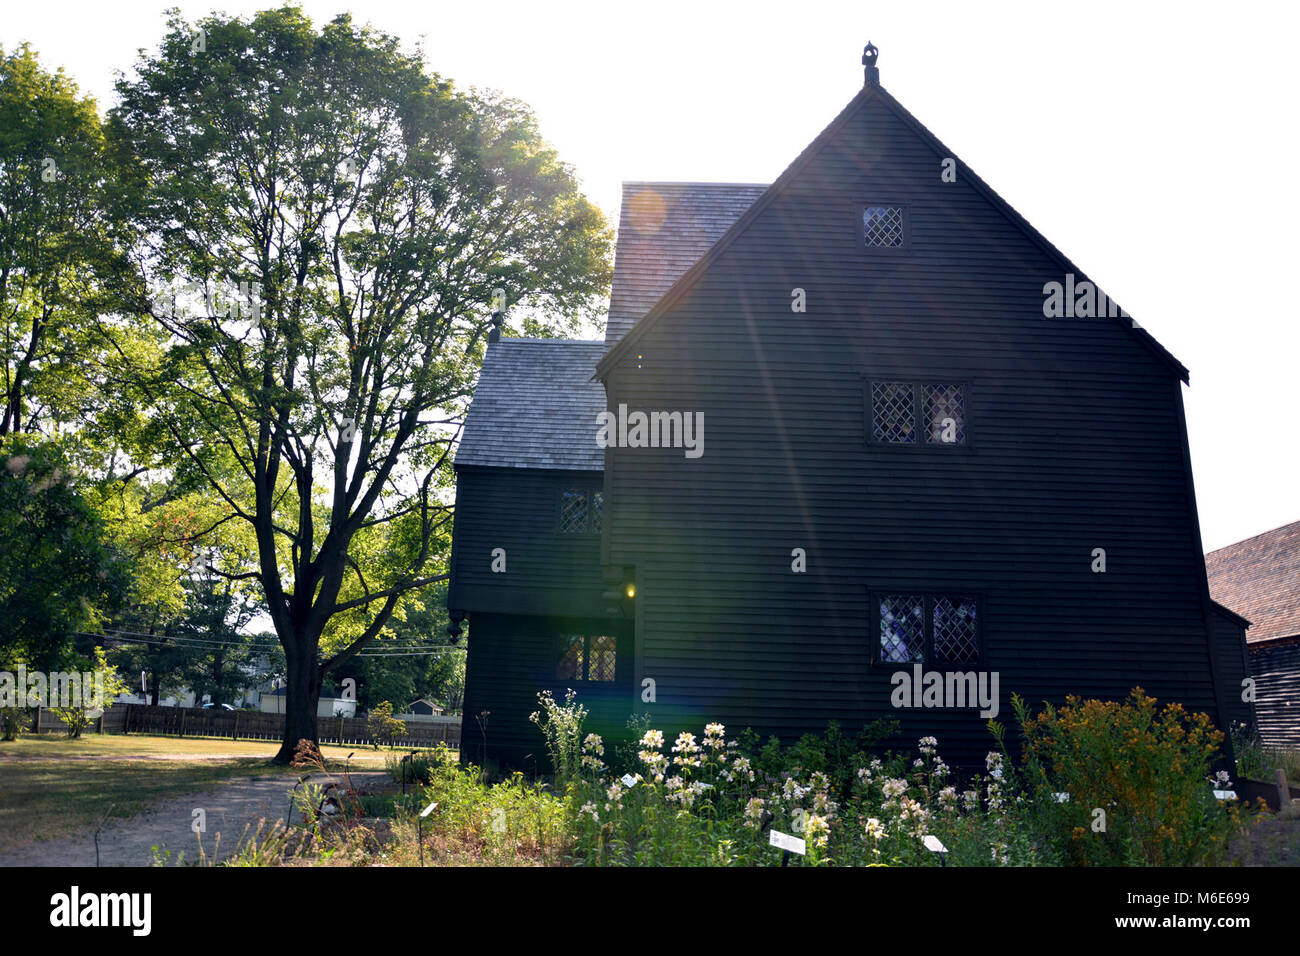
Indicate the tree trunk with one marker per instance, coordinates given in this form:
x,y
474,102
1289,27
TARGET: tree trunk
x,y
301,698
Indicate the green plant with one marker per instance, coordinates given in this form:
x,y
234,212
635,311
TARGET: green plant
x,y
561,725
383,726
1258,762
13,720
1138,779
418,766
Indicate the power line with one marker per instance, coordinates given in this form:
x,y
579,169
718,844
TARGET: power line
x,y
199,643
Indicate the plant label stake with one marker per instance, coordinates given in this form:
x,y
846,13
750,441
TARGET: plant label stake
x,y
789,844
420,827
935,845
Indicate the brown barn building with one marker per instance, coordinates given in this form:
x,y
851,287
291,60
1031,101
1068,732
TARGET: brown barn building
x,y
1259,578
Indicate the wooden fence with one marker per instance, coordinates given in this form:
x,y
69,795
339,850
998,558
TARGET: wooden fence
x,y
250,725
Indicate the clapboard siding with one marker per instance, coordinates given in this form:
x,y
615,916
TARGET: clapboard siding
x,y
516,509
1276,668
511,659
1233,668
1077,443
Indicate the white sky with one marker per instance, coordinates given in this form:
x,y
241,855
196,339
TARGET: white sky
x,y
1112,127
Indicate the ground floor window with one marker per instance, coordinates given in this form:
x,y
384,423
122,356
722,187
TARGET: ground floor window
x,y
926,628
587,657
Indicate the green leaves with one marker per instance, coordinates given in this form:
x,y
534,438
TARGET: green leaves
x,y
58,572
378,209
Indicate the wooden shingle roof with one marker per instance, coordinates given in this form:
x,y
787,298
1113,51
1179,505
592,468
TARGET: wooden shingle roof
x,y
663,229
1259,578
535,406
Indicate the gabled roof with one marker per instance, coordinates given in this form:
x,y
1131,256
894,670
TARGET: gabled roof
x,y
663,229
679,288
1259,578
535,406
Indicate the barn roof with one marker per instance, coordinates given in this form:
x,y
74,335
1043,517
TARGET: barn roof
x,y
1259,578
535,406
663,230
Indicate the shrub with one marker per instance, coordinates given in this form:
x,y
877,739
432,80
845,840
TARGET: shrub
x,y
1146,768
383,726
13,720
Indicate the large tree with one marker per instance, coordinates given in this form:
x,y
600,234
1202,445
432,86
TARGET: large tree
x,y
55,241
340,225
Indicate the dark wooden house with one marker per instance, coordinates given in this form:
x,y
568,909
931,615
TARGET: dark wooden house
x,y
921,438
1260,578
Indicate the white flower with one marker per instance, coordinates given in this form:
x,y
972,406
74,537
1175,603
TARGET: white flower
x,y
875,831
792,791
653,739
927,745
817,830
893,788
912,816
687,750
740,768
754,812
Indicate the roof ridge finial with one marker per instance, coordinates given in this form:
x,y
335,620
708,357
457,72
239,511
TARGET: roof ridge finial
x,y
871,73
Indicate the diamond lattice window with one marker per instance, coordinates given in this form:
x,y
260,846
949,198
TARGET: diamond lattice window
x,y
893,416
956,640
587,658
945,414
573,512
882,226
602,658
597,510
573,659
902,629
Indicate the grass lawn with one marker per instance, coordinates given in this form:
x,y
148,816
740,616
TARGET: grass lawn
x,y
51,786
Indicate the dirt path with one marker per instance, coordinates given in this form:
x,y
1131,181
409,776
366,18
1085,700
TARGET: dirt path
x,y
128,842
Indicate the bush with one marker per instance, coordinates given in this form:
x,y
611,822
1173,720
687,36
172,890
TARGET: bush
x,y
383,726
1138,779
13,721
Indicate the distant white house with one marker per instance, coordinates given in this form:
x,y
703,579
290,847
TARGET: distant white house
x,y
273,703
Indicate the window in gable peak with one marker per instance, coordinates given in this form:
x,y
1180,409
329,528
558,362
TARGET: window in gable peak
x,y
883,227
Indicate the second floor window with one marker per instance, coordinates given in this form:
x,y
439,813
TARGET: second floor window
x,y
918,413
581,510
